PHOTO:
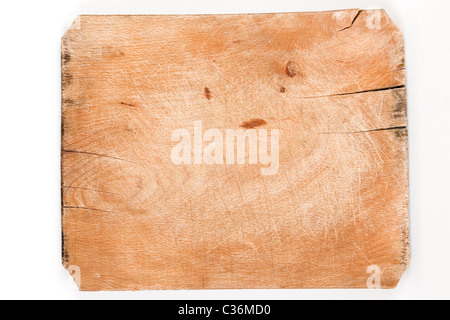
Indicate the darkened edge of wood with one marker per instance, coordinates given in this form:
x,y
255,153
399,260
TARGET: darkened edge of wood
x,y
406,250
65,58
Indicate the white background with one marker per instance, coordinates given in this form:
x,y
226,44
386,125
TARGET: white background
x,y
30,233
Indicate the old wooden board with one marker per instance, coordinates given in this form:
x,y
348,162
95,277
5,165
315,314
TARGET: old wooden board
x,y
320,199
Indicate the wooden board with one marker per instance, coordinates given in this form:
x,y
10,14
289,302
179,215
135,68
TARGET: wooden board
x,y
334,214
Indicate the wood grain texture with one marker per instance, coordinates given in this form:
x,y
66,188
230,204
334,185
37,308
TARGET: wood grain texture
x,y
333,83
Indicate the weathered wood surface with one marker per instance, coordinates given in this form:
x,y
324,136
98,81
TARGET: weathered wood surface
x,y
333,83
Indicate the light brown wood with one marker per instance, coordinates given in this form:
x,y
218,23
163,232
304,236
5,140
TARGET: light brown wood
x,y
332,83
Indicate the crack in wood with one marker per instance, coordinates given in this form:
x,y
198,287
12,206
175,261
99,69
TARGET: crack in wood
x,y
358,92
369,131
87,189
85,208
353,21
95,154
